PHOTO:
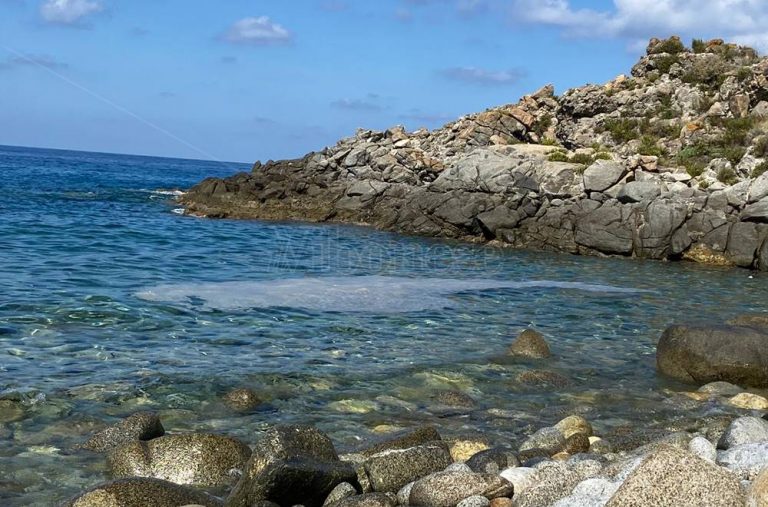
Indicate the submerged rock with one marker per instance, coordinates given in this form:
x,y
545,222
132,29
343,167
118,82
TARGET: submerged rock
x,y
704,354
531,344
196,459
242,399
142,492
139,426
403,440
672,477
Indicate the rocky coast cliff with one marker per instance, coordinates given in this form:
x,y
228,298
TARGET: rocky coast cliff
x,y
667,163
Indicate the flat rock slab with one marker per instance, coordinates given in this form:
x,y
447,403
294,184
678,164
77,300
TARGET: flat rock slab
x,y
672,477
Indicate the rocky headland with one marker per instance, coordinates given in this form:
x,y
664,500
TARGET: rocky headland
x,y
666,163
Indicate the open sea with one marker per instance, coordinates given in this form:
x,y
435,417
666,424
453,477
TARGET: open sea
x,y
113,302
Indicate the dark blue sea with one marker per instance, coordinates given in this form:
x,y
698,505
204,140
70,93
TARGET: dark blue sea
x,y
112,301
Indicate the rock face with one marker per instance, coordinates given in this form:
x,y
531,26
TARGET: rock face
x,y
141,493
637,167
196,459
139,426
291,465
734,354
673,477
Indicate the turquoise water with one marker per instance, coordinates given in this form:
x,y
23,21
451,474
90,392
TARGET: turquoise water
x,y
113,302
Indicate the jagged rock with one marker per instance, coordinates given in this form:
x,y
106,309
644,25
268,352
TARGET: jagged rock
x,y
673,477
196,459
602,175
756,212
141,492
735,354
139,426
639,191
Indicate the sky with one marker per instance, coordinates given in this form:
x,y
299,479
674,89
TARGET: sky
x,y
246,80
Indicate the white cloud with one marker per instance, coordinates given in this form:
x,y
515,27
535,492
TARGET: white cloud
x,y
69,12
739,20
260,31
482,76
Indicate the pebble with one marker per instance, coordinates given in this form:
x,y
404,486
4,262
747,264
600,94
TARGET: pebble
x,y
521,478
475,501
549,439
242,399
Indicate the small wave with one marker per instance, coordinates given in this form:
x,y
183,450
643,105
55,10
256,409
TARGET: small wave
x,y
378,294
178,211
174,193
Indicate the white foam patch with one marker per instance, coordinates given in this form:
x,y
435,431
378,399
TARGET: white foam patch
x,y
378,294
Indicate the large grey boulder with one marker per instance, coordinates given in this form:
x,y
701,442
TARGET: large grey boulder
x,y
758,189
672,477
141,492
735,354
744,430
138,426
390,470
605,228
291,465
602,175
196,459
447,489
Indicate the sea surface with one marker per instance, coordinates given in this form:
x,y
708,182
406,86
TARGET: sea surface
x,y
112,302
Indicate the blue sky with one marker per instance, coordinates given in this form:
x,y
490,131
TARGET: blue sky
x,y
245,80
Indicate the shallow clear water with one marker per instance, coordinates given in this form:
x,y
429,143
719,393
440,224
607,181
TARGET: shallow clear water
x,y
110,302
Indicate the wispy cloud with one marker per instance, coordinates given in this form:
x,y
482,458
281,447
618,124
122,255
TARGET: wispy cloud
x,y
739,20
69,12
43,61
259,31
372,102
478,76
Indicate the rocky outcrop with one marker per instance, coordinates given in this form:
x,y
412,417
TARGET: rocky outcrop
x,y
666,164
737,354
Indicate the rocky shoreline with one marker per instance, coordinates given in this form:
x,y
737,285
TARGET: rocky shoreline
x,y
718,460
669,164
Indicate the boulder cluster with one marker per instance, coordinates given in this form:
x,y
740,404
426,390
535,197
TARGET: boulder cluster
x,y
667,163
719,460
561,466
